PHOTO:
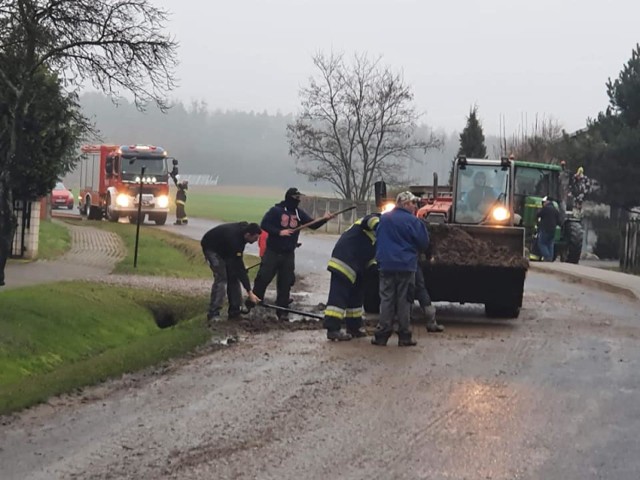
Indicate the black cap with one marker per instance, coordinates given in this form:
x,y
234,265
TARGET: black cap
x,y
293,191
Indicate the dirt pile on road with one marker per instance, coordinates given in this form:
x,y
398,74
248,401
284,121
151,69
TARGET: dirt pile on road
x,y
452,245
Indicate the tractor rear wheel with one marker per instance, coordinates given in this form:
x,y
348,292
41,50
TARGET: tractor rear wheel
x,y
573,235
371,303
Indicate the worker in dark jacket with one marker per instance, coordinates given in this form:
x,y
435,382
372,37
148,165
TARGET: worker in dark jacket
x,y
223,247
399,239
354,252
548,220
280,223
181,200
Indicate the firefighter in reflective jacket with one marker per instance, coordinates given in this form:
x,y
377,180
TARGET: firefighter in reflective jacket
x,y
181,200
354,252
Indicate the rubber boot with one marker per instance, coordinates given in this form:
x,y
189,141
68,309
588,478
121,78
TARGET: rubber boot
x,y
405,340
434,328
380,338
356,332
430,315
338,335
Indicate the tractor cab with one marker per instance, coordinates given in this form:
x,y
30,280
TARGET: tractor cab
x,y
533,182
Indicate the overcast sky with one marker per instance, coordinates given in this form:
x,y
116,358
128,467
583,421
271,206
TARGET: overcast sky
x,y
512,58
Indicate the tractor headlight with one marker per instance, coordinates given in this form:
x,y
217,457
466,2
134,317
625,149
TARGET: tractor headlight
x,y
387,207
122,200
500,214
162,201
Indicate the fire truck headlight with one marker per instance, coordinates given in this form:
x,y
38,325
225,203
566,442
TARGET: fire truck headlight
x,y
163,201
122,200
500,214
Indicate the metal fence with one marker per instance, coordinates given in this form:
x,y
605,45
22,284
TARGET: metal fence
x,y
204,180
630,255
317,206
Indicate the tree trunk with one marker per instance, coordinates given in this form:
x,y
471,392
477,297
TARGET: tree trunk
x,y
7,222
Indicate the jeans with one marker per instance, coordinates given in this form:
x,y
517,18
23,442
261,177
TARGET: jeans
x,y
545,245
396,297
222,282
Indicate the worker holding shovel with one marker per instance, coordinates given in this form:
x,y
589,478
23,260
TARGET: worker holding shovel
x,y
283,222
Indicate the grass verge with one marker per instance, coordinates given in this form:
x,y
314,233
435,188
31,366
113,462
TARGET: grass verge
x,y
60,337
54,240
160,253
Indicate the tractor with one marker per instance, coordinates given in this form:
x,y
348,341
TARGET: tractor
x,y
533,182
477,252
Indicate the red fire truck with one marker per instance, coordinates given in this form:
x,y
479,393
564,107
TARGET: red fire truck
x,y
111,177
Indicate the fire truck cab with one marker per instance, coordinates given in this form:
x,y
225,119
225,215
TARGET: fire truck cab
x,y
111,177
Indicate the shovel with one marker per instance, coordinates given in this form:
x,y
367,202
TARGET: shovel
x,y
291,310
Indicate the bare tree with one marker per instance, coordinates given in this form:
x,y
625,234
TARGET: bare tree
x,y
357,124
120,46
537,142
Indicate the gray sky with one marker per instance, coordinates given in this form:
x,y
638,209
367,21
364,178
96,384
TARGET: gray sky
x,y
511,58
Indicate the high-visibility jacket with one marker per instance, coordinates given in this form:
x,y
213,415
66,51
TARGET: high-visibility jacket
x,y
355,250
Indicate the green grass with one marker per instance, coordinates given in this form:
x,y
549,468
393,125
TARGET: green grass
x,y
54,240
59,337
228,208
160,253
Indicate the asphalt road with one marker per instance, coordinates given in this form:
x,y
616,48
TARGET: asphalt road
x,y
551,395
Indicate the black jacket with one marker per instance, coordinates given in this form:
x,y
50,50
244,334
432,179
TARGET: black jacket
x,y
355,250
279,218
549,218
227,241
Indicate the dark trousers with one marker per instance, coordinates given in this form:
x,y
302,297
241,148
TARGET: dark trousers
x,y
545,245
396,297
421,292
181,213
344,302
223,280
275,264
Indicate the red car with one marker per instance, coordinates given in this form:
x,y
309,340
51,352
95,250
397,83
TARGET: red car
x,y
61,197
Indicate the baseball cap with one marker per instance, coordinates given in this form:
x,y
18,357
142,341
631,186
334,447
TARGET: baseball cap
x,y
404,197
293,191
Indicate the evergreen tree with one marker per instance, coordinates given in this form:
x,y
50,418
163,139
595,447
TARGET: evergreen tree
x,y
608,148
472,138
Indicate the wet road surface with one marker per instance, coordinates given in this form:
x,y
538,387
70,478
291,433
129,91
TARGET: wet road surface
x,y
551,395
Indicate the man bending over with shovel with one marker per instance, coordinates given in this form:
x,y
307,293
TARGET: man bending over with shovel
x,y
223,248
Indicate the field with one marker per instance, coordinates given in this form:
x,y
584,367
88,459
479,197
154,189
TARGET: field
x,y
231,204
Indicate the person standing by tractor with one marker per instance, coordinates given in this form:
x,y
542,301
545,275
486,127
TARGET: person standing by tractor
x,y
424,300
181,200
223,248
548,220
281,222
352,255
400,237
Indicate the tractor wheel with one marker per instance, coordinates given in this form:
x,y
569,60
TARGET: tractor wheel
x,y
371,301
573,234
501,311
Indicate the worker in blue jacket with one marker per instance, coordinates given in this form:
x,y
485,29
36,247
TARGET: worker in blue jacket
x,y
401,236
352,255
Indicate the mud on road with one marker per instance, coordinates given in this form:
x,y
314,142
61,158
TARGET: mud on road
x,y
552,394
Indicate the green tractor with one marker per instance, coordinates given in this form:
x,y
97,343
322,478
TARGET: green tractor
x,y
533,182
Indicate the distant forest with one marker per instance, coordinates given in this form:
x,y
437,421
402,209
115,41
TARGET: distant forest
x,y
242,148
